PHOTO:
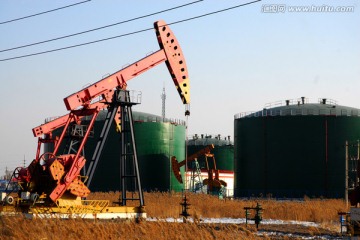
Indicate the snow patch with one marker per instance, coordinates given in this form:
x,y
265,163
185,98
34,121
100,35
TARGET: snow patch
x,y
236,221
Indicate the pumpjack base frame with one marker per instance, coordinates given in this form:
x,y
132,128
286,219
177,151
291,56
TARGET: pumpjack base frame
x,y
111,213
85,209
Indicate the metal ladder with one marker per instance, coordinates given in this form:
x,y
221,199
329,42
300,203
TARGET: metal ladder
x,y
196,178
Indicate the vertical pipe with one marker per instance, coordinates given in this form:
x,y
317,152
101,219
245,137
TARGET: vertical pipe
x,y
346,173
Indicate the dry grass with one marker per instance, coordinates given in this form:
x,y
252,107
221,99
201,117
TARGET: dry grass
x,y
161,205
56,229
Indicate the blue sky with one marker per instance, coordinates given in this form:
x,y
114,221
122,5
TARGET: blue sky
x,y
238,60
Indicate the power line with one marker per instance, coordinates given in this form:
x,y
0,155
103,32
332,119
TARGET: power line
x,y
77,45
130,33
212,13
37,14
95,29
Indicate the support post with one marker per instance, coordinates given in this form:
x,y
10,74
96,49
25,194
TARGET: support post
x,y
128,158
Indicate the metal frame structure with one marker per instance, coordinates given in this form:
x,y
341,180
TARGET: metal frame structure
x,y
53,177
196,181
122,104
213,183
175,165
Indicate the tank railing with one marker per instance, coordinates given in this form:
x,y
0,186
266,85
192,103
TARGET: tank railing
x,y
296,111
274,104
287,102
209,135
225,139
344,112
143,118
245,114
159,119
327,101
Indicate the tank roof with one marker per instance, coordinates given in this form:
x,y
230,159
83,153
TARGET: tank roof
x,y
324,107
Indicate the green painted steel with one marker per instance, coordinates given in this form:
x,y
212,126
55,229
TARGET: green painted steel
x,y
156,143
223,151
287,155
157,140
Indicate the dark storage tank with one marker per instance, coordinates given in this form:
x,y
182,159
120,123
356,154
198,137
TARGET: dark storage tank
x,y
294,149
157,140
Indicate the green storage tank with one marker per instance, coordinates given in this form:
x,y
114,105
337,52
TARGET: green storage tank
x,y
294,149
157,140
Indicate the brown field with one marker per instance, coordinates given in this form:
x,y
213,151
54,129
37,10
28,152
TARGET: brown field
x,y
161,205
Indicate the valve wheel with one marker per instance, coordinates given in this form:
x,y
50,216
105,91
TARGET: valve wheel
x,y
45,157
